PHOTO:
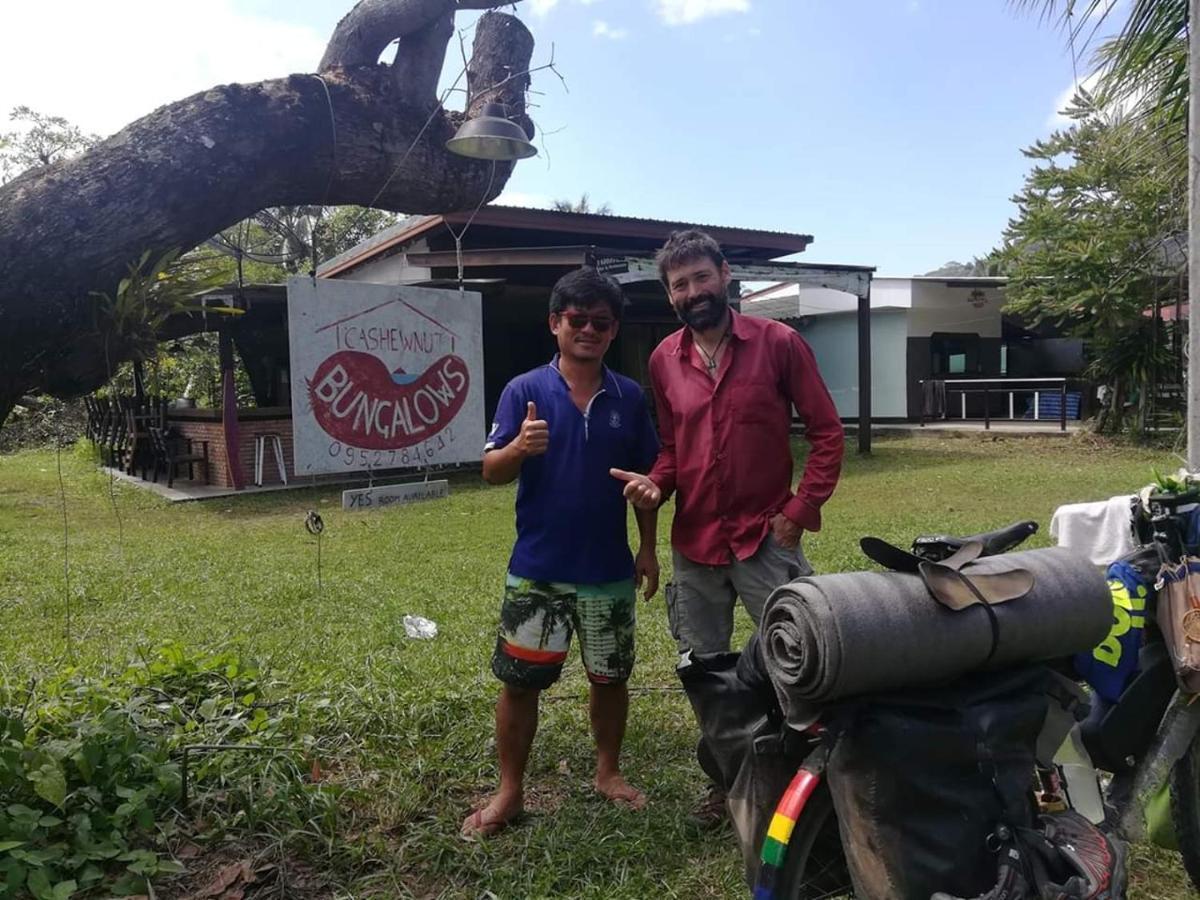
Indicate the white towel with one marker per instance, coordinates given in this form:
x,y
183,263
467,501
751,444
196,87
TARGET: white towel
x,y
1102,531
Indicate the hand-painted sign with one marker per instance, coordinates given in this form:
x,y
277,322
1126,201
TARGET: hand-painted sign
x,y
392,494
383,376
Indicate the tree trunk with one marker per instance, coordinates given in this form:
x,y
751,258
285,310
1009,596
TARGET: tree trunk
x,y
350,135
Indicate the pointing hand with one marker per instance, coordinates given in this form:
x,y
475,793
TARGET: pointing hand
x,y
639,490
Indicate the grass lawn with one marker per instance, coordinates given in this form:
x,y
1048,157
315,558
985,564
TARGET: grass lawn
x,y
410,722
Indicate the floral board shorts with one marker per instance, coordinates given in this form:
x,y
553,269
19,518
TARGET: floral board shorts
x,y
538,618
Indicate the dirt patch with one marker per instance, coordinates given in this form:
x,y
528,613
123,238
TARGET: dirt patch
x,y
43,423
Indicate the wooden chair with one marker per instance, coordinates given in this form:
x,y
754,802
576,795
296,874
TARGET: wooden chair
x,y
172,451
115,437
92,425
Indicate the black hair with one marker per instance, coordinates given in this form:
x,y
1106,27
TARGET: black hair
x,y
684,247
586,287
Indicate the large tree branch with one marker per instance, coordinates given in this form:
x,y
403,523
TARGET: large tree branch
x,y
350,135
364,32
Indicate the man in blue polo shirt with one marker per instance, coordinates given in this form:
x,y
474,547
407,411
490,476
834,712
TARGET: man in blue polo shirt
x,y
560,428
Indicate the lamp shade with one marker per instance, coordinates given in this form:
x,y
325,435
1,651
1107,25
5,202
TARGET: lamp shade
x,y
491,136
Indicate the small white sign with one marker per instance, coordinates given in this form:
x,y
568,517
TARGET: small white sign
x,y
392,494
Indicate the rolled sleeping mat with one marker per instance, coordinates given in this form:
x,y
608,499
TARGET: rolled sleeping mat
x,y
829,637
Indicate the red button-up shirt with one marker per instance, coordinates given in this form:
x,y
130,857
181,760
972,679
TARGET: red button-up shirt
x,y
726,448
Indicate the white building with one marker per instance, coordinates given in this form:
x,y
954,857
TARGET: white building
x,y
922,328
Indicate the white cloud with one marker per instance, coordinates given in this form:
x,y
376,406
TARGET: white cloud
x,y
523,198
103,65
541,7
685,12
914,6
1103,9
603,29
1056,119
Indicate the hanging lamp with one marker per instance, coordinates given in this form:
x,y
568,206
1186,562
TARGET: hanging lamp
x,y
491,135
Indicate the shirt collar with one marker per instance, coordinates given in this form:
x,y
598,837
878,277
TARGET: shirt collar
x,y
608,381
737,329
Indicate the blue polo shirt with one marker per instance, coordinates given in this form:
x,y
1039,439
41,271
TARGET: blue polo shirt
x,y
570,511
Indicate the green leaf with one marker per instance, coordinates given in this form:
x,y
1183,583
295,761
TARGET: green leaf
x,y
23,813
5,846
50,783
14,877
39,884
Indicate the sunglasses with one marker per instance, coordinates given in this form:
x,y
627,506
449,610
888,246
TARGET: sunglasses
x,y
578,321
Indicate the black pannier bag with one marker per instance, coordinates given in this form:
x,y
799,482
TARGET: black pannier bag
x,y
745,746
922,779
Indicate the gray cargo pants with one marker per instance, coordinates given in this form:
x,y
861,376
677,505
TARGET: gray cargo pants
x,y
701,599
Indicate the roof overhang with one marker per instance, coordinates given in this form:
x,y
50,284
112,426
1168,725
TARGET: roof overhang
x,y
854,280
604,229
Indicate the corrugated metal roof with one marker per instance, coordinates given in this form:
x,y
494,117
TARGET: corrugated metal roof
x,y
771,243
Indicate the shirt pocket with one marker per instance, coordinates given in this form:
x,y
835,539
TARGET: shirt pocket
x,y
756,402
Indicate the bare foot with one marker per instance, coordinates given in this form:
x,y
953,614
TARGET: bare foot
x,y
491,819
615,788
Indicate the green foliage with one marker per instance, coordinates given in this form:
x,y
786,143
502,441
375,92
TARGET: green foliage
x,y
39,140
418,716
583,205
1090,247
90,769
343,227
279,241
155,290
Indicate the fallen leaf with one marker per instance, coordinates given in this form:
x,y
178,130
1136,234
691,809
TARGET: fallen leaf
x,y
226,885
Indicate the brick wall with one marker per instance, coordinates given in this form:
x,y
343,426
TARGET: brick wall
x,y
247,432
218,459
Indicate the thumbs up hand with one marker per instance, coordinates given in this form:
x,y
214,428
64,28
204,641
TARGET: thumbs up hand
x,y
639,490
534,437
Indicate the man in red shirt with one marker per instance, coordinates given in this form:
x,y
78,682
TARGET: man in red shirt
x,y
725,386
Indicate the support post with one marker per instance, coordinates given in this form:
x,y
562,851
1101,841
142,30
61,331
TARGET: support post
x,y
229,414
864,370
1193,372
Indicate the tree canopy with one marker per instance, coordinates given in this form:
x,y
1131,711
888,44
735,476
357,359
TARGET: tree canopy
x,y
1094,245
355,132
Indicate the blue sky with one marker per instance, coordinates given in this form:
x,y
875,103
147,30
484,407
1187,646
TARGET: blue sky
x,y
890,130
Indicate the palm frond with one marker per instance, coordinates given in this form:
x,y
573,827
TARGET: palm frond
x,y
1143,69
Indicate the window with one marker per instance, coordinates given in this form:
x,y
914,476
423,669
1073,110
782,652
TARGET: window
x,y
954,354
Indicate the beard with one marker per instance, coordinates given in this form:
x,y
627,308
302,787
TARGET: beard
x,y
708,316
